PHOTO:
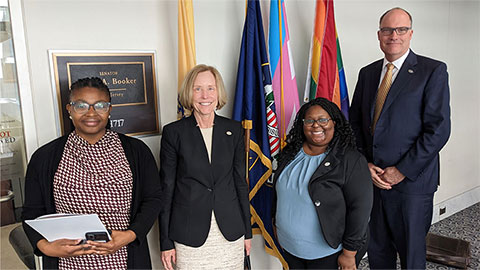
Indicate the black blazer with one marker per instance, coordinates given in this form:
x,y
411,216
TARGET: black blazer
x,y
342,192
192,186
145,198
414,124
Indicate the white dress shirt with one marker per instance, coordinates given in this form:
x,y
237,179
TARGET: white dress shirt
x,y
397,65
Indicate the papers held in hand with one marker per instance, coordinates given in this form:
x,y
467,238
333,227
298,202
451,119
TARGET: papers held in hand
x,y
68,226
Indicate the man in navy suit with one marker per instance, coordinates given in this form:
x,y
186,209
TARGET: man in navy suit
x,y
401,131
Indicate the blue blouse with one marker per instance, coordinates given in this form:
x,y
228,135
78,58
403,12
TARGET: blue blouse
x,y
298,228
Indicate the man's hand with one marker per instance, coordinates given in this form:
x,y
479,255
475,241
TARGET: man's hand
x,y
168,256
64,248
119,240
392,175
376,172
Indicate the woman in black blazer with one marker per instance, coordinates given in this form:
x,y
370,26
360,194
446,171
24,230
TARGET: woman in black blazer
x,y
205,216
323,191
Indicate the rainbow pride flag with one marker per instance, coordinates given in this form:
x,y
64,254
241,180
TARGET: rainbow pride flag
x,y
281,62
326,77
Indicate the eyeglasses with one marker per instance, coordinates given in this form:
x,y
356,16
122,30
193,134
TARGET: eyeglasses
x,y
322,122
83,107
387,31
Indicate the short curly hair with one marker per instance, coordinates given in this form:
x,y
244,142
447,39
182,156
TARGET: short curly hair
x,y
295,138
93,82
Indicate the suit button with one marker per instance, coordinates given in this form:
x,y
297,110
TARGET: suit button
x,y
317,203
209,189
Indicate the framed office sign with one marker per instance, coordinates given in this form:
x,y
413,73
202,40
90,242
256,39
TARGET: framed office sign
x,y
130,76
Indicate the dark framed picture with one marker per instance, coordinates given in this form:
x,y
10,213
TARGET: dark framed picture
x,y
130,76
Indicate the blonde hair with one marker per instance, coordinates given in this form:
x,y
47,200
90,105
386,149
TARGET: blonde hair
x,y
185,96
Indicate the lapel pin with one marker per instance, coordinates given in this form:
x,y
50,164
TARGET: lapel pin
x,y
228,132
410,71
327,163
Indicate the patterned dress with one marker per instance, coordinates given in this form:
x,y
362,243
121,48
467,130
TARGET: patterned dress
x,y
95,178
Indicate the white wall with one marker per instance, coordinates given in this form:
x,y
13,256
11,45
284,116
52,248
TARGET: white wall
x,y
445,30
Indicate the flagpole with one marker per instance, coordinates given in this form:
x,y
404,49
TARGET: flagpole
x,y
282,106
247,150
247,125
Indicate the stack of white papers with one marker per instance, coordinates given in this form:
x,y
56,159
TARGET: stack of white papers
x,y
69,226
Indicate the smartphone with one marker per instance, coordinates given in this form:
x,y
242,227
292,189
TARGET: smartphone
x,y
97,236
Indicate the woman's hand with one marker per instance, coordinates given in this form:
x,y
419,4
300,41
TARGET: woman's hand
x,y
346,260
169,256
64,248
248,246
119,240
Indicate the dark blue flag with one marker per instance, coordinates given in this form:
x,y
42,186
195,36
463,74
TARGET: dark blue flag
x,y
254,107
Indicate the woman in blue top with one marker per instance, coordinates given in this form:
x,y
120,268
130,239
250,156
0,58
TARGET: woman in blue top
x,y
323,191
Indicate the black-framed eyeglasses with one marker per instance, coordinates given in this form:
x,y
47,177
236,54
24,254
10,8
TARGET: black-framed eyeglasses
x,y
387,31
322,121
83,107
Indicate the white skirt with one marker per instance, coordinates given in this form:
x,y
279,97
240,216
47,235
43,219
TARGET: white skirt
x,y
216,253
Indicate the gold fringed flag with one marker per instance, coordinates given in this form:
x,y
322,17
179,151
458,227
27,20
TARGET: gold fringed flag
x,y
254,106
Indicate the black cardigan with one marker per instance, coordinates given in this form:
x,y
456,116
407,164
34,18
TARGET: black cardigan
x,y
144,209
341,190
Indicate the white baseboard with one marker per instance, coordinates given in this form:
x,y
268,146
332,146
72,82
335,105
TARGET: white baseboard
x,y
455,204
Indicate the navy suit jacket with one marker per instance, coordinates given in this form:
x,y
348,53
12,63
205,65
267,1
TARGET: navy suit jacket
x,y
192,186
414,123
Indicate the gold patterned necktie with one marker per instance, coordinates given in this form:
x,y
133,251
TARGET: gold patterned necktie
x,y
382,94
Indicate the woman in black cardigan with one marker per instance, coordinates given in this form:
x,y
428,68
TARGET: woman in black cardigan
x,y
323,191
94,170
